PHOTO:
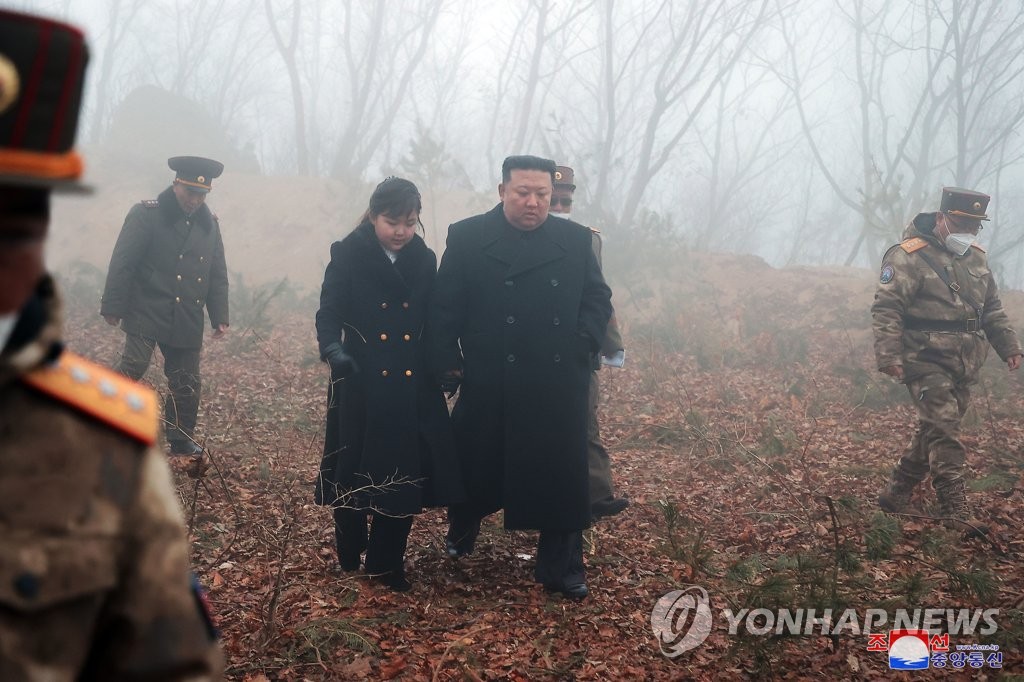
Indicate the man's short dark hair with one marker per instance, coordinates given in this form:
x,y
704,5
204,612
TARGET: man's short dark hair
x,y
526,162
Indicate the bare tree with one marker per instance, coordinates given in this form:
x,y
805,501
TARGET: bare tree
x,y
660,64
380,61
120,19
287,50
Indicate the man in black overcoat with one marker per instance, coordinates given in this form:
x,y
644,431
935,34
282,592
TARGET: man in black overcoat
x,y
167,266
519,306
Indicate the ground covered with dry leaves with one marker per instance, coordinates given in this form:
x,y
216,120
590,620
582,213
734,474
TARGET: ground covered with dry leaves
x,y
748,428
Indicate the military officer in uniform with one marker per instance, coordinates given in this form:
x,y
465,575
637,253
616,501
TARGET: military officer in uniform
x,y
94,565
167,266
936,309
603,501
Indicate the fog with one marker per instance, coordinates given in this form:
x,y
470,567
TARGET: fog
x,y
803,132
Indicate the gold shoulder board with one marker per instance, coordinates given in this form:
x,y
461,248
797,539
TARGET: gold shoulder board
x,y
595,230
979,247
913,244
101,393
150,203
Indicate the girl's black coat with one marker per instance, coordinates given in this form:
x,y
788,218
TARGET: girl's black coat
x,y
389,444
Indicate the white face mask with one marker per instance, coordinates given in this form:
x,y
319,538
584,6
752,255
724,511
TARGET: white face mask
x,y
958,242
7,323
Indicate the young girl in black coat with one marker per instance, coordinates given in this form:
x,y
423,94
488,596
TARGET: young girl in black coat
x,y
388,449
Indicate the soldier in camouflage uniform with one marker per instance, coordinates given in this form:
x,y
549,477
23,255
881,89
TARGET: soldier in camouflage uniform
x,y
936,309
94,574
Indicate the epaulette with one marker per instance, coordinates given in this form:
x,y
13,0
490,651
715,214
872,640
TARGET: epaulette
x,y
913,244
595,230
150,203
101,393
979,247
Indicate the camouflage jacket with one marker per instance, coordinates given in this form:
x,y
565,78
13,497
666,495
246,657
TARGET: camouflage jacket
x,y
911,294
612,342
94,563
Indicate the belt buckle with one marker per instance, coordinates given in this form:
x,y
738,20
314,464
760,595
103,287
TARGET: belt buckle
x,y
973,324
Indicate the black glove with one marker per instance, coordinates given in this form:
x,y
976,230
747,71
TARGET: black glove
x,y
342,364
450,382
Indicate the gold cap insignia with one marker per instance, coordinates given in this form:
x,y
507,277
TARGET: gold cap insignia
x,y
10,84
558,175
977,205
201,179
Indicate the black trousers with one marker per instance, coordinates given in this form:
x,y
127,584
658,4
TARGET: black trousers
x,y
181,367
384,544
559,553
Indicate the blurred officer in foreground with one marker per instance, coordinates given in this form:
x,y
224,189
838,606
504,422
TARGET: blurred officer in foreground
x,y
602,494
94,575
936,310
168,264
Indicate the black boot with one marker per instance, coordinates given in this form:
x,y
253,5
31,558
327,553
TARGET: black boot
x,y
953,506
896,496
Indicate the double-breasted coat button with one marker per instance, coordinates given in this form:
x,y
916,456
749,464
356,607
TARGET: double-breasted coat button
x,y
408,372
177,299
558,358
554,282
556,322
179,278
202,258
180,256
407,337
383,372
200,280
198,302
383,337
384,305
509,282
511,358
405,304
510,319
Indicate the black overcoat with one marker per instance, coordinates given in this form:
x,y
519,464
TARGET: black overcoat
x,y
388,430
526,310
165,268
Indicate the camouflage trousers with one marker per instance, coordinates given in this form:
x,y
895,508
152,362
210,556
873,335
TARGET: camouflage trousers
x,y
941,403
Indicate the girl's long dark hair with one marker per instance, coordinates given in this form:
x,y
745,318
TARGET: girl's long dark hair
x,y
394,197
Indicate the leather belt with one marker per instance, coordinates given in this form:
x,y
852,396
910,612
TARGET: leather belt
x,y
917,324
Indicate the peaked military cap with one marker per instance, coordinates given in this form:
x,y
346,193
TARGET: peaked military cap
x,y
195,172
42,70
564,177
966,203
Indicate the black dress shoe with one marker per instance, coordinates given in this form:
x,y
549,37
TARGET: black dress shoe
x,y
577,591
609,507
394,580
188,448
349,564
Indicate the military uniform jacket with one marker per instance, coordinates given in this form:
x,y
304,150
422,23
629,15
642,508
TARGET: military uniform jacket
x,y
612,341
388,431
94,566
527,310
166,267
910,294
